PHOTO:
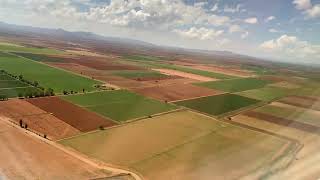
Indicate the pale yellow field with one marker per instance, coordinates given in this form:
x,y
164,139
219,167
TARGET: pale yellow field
x,y
184,145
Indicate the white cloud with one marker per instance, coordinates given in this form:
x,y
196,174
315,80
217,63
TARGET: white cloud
x,y
237,8
245,35
252,20
291,46
200,33
235,28
270,18
302,4
314,12
214,8
311,11
273,30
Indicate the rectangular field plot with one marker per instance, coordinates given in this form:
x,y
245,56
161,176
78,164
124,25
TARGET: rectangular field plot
x,y
47,77
39,57
15,92
40,160
192,146
12,84
140,74
119,105
289,112
18,48
176,92
302,101
38,120
219,104
71,114
235,85
266,94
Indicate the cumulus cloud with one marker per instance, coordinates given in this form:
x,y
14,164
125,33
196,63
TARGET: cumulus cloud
x,y
314,12
302,4
252,20
200,33
270,18
236,9
292,46
311,11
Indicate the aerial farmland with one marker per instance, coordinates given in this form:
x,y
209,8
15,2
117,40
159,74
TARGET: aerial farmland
x,y
109,114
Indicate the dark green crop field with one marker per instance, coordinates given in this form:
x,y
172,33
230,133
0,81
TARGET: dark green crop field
x,y
139,74
235,85
219,104
39,57
119,105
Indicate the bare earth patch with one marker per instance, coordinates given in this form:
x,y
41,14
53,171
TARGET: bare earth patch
x,y
26,157
176,92
170,72
71,114
38,120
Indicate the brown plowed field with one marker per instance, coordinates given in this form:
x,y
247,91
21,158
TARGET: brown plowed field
x,y
23,156
99,63
37,119
176,92
157,78
75,116
284,122
300,101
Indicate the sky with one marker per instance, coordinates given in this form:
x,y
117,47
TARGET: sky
x,y
287,30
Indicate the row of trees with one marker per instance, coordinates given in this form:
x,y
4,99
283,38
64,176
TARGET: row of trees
x,y
38,91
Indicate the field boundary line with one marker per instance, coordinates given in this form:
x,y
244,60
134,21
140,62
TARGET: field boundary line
x,y
175,101
122,124
80,156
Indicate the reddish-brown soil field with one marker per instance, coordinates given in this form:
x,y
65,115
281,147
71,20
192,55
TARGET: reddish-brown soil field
x,y
157,78
99,63
37,119
176,92
301,101
284,122
73,115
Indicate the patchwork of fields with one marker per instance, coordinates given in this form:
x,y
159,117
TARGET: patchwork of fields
x,y
219,104
47,77
11,87
235,85
221,147
161,117
266,94
119,105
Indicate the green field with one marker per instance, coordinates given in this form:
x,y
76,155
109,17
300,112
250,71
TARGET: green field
x,y
47,76
292,113
142,58
219,104
203,146
11,87
139,74
39,57
235,85
12,84
119,105
152,64
15,92
17,48
266,94
4,77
